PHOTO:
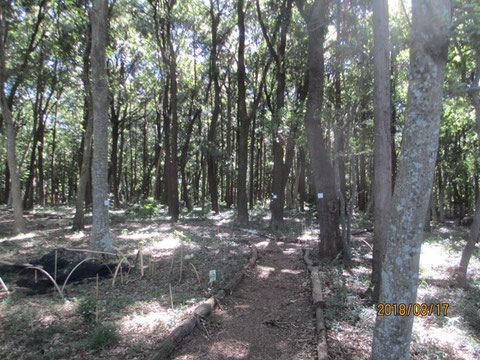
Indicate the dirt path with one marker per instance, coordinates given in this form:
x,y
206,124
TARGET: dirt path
x,y
269,316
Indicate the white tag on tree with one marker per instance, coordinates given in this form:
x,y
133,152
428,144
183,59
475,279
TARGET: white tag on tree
x,y
320,195
274,197
213,276
106,202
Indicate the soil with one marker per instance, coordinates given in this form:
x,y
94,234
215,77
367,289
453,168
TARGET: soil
x,y
269,316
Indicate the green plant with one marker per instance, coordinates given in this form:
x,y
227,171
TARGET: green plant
x,y
87,308
104,336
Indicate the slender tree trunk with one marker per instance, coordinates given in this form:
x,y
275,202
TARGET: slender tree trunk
x,y
212,131
230,168
243,119
19,222
383,161
100,239
428,56
79,218
173,205
41,175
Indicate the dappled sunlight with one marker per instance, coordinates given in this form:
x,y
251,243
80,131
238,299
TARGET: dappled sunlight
x,y
78,236
150,317
291,272
434,255
231,349
20,237
449,335
264,272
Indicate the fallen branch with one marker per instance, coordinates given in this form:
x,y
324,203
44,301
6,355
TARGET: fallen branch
x,y
318,305
362,231
172,341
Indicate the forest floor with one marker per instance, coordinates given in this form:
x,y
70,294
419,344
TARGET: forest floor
x,y
269,316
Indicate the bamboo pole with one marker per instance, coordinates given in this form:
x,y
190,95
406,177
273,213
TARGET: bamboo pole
x,y
55,267
96,305
4,286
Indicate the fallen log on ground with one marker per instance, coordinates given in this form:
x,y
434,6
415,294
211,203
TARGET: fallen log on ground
x,y
361,231
172,341
318,305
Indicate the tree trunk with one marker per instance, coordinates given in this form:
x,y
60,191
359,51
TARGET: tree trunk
x,y
243,120
100,239
230,169
475,229
382,182
79,218
428,56
212,131
19,221
281,168
323,174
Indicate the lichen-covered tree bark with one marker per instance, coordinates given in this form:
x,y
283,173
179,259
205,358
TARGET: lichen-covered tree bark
x,y
428,56
100,239
382,182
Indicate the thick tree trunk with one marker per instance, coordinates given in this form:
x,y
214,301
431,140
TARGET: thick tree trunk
x,y
428,56
475,229
323,174
382,182
100,239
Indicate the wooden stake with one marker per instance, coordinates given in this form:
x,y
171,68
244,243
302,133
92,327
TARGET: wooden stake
x,y
141,265
36,277
121,276
171,264
96,307
55,268
181,264
196,273
171,295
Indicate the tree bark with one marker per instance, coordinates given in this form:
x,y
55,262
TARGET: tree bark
x,y
100,239
15,188
212,131
428,56
323,175
243,120
382,181
281,166
475,229
79,218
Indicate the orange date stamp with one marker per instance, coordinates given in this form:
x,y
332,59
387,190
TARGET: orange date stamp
x,y
437,309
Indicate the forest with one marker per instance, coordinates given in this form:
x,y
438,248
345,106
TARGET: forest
x,y
239,179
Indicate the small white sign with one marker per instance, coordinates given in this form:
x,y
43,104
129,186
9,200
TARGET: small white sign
x,y
106,202
274,197
320,195
213,276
